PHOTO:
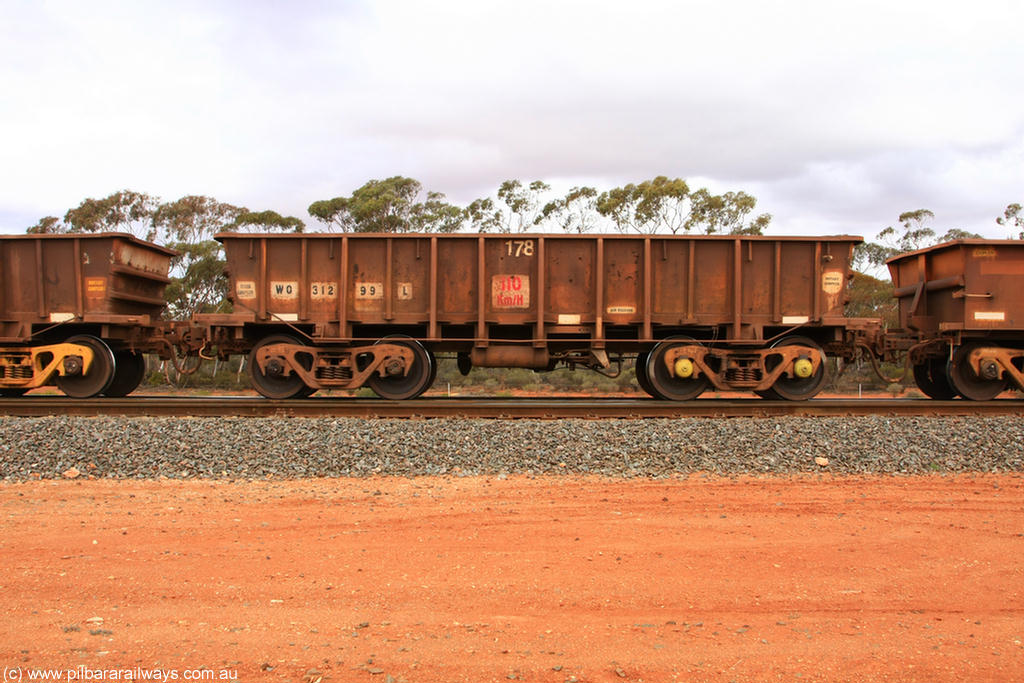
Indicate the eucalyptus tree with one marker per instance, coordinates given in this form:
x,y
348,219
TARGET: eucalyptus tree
x,y
264,221
519,206
123,211
665,204
575,212
1012,218
389,205
187,225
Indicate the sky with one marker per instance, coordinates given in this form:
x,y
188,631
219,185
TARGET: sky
x,y
836,116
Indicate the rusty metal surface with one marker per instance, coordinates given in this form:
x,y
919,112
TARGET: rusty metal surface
x,y
103,278
535,408
461,290
976,286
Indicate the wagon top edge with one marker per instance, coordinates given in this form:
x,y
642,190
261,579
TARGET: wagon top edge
x,y
954,244
530,235
128,237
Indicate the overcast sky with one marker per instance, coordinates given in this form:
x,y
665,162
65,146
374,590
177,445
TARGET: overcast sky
x,y
837,116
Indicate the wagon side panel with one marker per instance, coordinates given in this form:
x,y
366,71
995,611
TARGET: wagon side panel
x,y
623,282
571,269
993,297
457,280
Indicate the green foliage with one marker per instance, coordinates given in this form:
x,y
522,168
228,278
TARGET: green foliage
x,y
198,284
436,215
913,236
265,221
576,212
892,242
1012,217
520,208
202,286
868,255
193,219
47,226
333,213
957,234
483,216
389,205
872,298
725,213
124,211
663,203
647,207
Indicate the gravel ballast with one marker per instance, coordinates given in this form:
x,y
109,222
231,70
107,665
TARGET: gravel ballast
x,y
236,448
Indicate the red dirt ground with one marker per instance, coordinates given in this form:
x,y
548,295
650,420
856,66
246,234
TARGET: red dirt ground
x,y
548,579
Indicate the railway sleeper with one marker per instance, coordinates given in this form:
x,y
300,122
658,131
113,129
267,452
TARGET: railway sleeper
x,y
747,370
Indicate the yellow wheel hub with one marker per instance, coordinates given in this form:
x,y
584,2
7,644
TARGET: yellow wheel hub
x,y
803,368
684,368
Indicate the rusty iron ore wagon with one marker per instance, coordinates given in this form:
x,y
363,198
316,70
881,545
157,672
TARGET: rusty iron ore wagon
x,y
962,304
80,311
327,311
320,311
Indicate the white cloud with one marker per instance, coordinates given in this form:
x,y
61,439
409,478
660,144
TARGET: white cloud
x,y
832,114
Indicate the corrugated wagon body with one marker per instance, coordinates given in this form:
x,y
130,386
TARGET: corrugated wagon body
x,y
962,303
753,313
79,310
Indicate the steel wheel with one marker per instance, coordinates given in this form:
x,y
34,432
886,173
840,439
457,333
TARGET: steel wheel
x,y
969,385
274,383
796,388
663,384
401,387
930,377
129,369
642,380
100,375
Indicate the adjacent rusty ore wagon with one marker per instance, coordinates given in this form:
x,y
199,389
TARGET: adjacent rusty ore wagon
x,y
79,311
744,313
962,304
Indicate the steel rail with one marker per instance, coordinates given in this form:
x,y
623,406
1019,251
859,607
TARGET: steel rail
x,y
501,408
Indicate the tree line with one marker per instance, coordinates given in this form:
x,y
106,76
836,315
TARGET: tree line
x,y
399,204
660,204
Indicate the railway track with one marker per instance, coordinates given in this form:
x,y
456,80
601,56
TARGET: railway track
x,y
495,408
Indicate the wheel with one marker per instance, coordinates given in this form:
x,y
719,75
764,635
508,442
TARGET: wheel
x,y
129,369
101,372
663,384
641,374
931,378
420,377
274,383
969,385
796,388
